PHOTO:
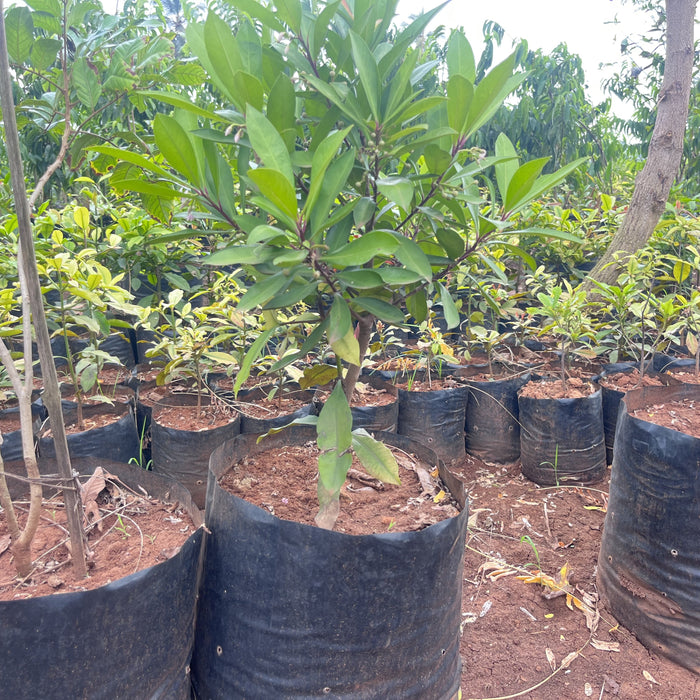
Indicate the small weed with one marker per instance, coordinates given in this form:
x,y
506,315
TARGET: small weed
x,y
528,539
555,465
121,527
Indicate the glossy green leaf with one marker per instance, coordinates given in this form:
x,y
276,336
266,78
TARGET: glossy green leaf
x,y
550,233
452,243
324,154
460,93
269,145
266,233
332,185
460,57
275,186
347,348
341,319
281,104
360,279
364,211
362,249
366,66
411,255
376,457
398,276
134,158
449,308
254,9
417,305
261,292
249,90
215,45
381,309
181,103
334,426
86,82
240,255
174,143
293,295
521,183
398,190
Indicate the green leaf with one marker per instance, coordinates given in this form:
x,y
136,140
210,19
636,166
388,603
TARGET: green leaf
x,y
281,104
417,305
550,233
341,319
324,154
381,309
364,211
334,426
460,57
347,348
249,90
81,216
19,29
181,103
240,255
258,11
293,295
134,158
331,185
360,279
521,183
398,276
366,66
452,243
44,53
460,93
376,457
250,357
268,144
175,145
275,186
449,308
87,83
410,254
261,292
397,189
362,249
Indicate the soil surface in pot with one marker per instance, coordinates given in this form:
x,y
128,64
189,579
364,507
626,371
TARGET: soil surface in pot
x,y
126,532
683,416
265,408
573,388
284,482
194,419
628,381
516,634
363,395
435,384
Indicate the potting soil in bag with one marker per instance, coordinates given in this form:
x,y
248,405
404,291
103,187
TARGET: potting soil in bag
x,y
293,611
649,562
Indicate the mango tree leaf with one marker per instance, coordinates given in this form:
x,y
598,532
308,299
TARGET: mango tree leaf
x,y
174,143
452,243
275,186
249,90
505,169
410,254
240,255
258,11
362,249
250,357
364,211
261,292
317,375
417,305
521,183
181,103
347,348
397,276
550,233
381,309
460,93
397,189
460,57
326,151
376,457
293,295
448,307
341,319
368,71
269,145
331,185
334,424
360,279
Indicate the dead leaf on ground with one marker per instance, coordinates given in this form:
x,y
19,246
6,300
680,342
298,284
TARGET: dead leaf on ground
x,y
650,678
605,646
5,543
493,570
551,659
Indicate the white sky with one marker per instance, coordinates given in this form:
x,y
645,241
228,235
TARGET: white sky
x,y
584,25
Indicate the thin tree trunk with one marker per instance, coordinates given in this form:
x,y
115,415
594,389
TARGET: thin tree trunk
x,y
364,334
654,182
27,260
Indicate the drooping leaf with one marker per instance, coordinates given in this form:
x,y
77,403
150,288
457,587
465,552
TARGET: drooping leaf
x,y
334,424
397,189
362,249
376,457
249,358
381,309
411,255
449,308
268,144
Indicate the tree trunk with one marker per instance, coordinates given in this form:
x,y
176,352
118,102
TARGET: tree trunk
x,y
654,182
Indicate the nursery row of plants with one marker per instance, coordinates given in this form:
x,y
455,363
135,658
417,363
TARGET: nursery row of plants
x,y
302,199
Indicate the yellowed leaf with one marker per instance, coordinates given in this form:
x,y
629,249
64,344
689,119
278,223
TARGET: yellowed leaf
x,y
439,496
494,570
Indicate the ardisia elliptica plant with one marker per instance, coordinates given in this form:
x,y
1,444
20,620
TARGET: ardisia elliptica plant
x,y
344,171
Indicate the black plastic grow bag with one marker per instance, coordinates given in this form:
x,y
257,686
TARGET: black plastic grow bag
x,y
118,439
492,429
436,419
184,454
132,638
293,611
562,440
649,562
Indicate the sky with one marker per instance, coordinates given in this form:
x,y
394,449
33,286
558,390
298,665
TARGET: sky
x,y
586,26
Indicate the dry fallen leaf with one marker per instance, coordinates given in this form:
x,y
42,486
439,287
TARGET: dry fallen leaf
x,y
493,570
650,678
566,661
605,646
551,659
5,543
587,690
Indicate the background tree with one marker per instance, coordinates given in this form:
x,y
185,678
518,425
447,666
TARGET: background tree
x,y
654,182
